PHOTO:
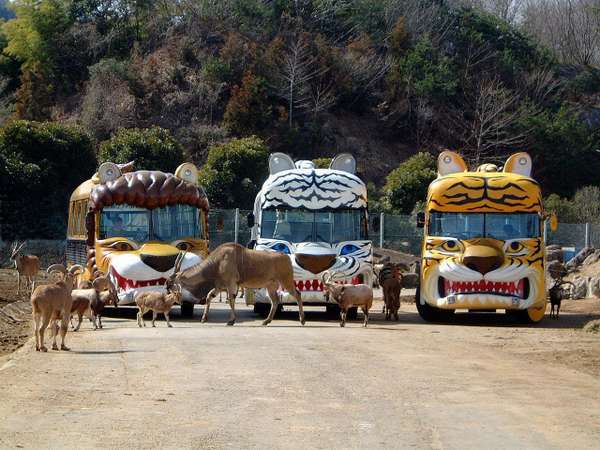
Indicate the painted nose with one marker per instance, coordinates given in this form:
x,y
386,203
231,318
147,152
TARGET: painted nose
x,y
159,263
483,258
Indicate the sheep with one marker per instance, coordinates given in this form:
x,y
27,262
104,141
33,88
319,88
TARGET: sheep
x,y
158,302
390,279
349,295
83,299
51,302
26,265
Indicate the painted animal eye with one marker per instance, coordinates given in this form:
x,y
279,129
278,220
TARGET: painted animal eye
x,y
121,246
184,245
450,246
515,247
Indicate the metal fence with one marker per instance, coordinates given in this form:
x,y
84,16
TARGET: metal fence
x,y
392,231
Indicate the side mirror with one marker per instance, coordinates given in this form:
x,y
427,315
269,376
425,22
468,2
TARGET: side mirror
x,y
420,219
250,219
553,222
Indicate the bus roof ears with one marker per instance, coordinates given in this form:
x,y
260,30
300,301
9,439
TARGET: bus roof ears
x,y
450,162
188,172
108,171
278,162
344,162
519,163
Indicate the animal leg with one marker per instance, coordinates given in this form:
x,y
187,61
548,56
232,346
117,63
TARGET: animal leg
x,y
274,296
36,333
212,294
139,318
365,311
154,318
231,297
166,314
64,327
54,333
18,282
41,331
557,311
80,317
343,317
298,297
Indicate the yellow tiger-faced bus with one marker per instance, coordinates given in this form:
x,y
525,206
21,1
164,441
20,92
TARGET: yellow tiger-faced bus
x,y
483,248
131,225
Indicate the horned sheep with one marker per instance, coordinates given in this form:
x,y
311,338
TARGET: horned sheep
x,y
348,296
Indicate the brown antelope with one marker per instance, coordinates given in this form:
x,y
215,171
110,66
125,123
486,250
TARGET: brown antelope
x,y
231,266
27,266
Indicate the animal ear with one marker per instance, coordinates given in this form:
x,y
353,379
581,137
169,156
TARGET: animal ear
x,y
188,172
519,163
450,162
108,171
344,162
278,162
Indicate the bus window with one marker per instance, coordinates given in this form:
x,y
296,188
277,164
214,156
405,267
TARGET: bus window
x,y
175,222
125,221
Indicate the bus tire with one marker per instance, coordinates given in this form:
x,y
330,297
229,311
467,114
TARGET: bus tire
x,y
529,316
187,309
262,309
430,313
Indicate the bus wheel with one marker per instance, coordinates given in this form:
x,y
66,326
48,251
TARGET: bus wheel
x,y
430,313
262,309
187,309
531,315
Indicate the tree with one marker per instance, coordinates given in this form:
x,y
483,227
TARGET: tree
x,y
408,183
151,149
234,172
248,109
35,156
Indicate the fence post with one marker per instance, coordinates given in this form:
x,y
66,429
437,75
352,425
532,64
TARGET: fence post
x,y
236,229
381,228
587,234
545,231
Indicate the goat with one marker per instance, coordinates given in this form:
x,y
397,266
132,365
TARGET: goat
x,y
557,294
390,280
349,295
233,266
27,266
83,299
158,302
51,302
107,296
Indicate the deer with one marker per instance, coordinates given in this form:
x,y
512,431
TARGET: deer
x,y
27,266
232,266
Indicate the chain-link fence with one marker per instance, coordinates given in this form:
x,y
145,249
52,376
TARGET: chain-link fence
x,y
391,231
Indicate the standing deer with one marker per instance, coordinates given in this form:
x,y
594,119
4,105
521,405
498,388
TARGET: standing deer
x,y
27,266
233,266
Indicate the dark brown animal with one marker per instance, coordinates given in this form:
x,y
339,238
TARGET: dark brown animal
x,y
390,280
557,294
233,266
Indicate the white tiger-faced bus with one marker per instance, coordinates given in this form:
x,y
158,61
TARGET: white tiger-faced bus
x,y
131,225
319,218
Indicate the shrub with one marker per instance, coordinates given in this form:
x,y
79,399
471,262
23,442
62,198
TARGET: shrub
x,y
234,172
151,149
322,163
248,110
42,163
408,183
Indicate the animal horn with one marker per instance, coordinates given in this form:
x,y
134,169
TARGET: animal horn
x,y
179,261
57,268
74,268
326,277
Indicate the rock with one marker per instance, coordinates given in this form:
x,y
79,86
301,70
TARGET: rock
x,y
579,258
580,288
410,280
556,269
592,326
554,255
594,287
591,258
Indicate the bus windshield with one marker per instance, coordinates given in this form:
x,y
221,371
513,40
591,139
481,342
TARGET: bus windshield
x,y
493,225
304,225
140,224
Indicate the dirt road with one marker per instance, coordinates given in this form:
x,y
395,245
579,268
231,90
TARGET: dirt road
x,y
481,383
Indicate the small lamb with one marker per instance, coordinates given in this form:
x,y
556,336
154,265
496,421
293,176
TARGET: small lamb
x,y
349,295
158,302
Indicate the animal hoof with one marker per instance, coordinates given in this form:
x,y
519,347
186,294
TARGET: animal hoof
x,y
43,349
266,322
169,325
302,322
65,348
341,324
203,320
230,323
55,347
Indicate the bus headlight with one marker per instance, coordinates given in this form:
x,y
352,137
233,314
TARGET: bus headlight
x,y
281,248
349,248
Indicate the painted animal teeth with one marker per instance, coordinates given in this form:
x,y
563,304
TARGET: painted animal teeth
x,y
485,287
